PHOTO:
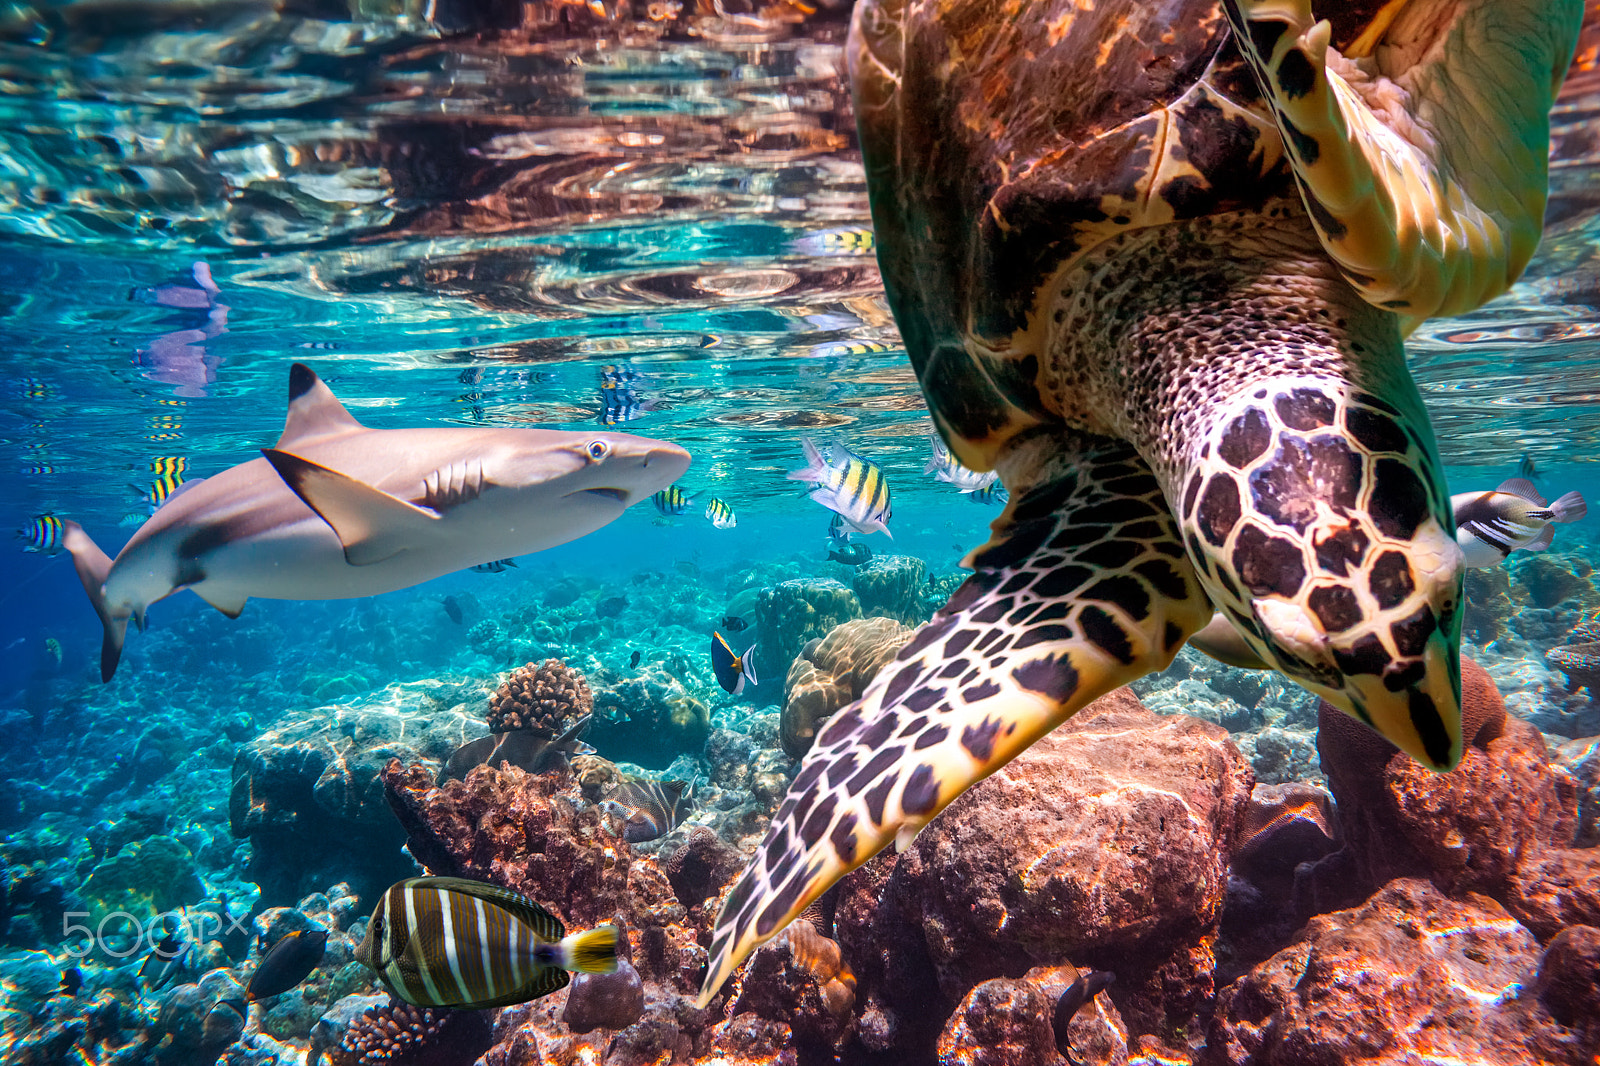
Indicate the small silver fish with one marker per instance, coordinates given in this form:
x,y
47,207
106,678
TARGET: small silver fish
x,y
1514,517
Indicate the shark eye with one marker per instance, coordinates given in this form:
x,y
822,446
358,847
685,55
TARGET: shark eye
x,y
598,450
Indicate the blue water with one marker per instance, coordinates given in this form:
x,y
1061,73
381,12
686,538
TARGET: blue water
x,y
454,234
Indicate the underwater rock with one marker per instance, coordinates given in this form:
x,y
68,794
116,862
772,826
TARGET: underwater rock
x,y
1549,580
800,981
702,867
1567,983
400,1034
1488,604
751,1040
538,836
1283,826
1409,976
648,719
891,586
792,612
1006,1021
1106,841
832,672
309,794
145,878
1580,759
1557,888
1581,664
197,1021
604,1000
1468,830
1280,756
544,698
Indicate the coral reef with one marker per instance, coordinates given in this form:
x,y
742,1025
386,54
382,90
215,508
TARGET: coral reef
x,y
400,1034
1550,579
792,612
309,796
832,672
648,719
702,867
1580,760
891,586
544,698
1105,842
144,879
1408,976
1006,1021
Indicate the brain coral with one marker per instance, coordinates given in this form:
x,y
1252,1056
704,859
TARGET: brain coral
x,y
832,672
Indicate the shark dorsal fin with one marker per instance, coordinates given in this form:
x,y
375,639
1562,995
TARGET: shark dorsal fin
x,y
315,413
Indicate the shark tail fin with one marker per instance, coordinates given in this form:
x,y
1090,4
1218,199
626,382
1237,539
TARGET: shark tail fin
x,y
93,565
1569,508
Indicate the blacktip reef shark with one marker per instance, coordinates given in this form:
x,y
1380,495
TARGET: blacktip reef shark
x,y
336,510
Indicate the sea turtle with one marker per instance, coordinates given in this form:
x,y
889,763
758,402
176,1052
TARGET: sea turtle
x,y
1153,261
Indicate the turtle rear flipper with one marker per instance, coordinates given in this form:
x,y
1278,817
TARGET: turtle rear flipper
x,y
1423,161
1083,587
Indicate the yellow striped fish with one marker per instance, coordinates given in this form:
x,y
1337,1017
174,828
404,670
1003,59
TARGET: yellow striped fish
x,y
162,488
672,501
166,465
845,240
852,488
43,533
450,942
720,514
839,349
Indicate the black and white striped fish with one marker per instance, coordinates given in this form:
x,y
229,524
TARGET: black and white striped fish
x,y
946,467
450,942
648,809
851,487
1491,525
672,501
719,514
498,566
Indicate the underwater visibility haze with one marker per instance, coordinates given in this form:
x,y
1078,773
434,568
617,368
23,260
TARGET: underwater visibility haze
x,y
503,500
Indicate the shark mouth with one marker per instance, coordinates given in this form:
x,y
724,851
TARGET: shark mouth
x,y
620,495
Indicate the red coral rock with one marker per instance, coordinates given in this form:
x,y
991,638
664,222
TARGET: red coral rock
x,y
535,835
1106,841
796,981
1471,829
1007,1022
1409,976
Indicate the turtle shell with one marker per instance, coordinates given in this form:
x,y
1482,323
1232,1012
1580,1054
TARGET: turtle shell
x,y
1001,146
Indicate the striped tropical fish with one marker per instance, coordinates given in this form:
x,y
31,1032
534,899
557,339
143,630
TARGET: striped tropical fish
x,y
843,240
852,487
162,488
450,942
720,514
672,501
169,465
42,533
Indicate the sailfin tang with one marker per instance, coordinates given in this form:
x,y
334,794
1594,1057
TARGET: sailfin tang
x,y
370,523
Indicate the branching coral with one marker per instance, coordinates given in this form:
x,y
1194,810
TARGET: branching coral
x,y
543,698
400,1034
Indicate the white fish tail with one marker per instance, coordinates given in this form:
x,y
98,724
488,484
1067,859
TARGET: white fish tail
x,y
816,468
1568,508
749,661
93,565
592,951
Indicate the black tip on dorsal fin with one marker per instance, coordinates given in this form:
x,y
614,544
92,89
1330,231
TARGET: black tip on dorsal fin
x,y
1521,486
314,411
301,381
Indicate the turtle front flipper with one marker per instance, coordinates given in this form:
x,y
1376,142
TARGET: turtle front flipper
x,y
1084,586
1421,153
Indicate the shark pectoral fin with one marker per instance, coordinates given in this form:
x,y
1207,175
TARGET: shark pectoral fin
x,y
229,603
371,524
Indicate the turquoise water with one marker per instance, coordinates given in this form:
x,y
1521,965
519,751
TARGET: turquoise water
x,y
454,234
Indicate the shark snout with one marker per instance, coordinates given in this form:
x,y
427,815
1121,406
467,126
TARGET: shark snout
x,y
636,468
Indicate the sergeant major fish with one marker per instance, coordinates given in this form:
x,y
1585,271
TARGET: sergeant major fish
x,y
720,514
43,533
1491,525
672,501
945,467
853,488
495,566
337,510
450,942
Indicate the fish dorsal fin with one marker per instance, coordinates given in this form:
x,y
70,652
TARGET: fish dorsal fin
x,y
1521,486
520,907
315,413
371,524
